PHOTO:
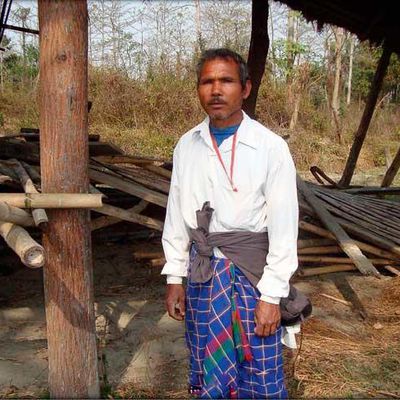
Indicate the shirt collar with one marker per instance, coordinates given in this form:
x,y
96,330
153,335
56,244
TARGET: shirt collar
x,y
245,133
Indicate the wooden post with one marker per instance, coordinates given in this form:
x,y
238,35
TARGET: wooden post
x,y
366,117
258,51
68,281
392,170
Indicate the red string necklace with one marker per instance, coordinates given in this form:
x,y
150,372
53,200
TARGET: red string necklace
x,y
215,145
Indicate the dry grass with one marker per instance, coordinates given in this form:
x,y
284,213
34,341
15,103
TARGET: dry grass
x,y
148,117
332,363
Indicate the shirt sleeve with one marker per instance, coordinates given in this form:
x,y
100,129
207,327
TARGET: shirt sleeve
x,y
282,225
175,238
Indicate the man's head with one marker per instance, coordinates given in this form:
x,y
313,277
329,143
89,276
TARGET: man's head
x,y
222,84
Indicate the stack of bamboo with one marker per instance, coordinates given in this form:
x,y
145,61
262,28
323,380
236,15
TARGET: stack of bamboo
x,y
369,224
340,230
13,219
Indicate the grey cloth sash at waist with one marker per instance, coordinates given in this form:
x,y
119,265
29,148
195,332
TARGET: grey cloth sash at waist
x,y
247,250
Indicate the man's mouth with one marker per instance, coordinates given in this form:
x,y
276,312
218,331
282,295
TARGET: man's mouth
x,y
216,104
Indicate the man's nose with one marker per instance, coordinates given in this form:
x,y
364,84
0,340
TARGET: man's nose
x,y
216,88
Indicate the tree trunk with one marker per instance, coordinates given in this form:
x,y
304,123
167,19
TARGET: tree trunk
x,y
350,77
68,282
366,117
339,36
258,52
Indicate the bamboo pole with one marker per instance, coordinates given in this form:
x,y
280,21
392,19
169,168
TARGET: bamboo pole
x,y
343,260
15,215
148,254
305,243
328,269
132,188
52,200
30,252
108,220
393,253
320,250
64,156
345,242
157,262
366,117
130,216
392,170
39,214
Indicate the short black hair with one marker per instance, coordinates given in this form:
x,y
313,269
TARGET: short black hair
x,y
225,54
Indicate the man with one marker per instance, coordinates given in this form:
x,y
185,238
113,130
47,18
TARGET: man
x,y
233,180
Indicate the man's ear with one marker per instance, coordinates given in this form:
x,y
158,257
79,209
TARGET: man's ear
x,y
247,89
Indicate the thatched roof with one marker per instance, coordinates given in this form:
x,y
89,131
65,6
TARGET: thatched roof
x,y
376,21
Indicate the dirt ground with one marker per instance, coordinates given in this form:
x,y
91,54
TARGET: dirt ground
x,y
346,350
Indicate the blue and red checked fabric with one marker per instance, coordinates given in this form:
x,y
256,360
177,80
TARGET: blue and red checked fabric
x,y
227,359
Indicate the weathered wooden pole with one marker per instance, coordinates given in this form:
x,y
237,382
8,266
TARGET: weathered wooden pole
x,y
366,117
392,170
64,152
258,51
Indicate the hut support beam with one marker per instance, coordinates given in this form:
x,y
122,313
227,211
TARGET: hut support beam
x,y
392,170
64,152
366,117
258,51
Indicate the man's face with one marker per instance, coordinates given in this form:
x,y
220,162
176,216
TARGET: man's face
x,y
221,93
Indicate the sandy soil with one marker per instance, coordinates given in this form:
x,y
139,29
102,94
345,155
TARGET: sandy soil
x,y
141,350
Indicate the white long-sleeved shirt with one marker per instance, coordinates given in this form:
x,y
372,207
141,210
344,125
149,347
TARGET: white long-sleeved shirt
x,y
266,199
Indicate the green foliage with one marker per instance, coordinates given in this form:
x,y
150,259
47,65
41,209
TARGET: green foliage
x,y
365,62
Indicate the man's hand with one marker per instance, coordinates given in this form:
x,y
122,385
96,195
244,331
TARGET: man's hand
x,y
175,301
267,318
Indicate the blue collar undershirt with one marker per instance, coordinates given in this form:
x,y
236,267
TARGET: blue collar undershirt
x,y
221,134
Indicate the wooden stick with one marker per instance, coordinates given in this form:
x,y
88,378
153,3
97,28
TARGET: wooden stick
x,y
327,269
345,242
32,171
343,260
107,220
328,296
153,254
320,250
4,179
15,215
157,262
39,214
52,200
373,190
392,170
158,170
125,159
30,252
130,216
134,189
392,269
304,243
306,226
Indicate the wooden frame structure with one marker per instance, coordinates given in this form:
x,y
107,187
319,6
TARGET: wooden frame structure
x,y
64,134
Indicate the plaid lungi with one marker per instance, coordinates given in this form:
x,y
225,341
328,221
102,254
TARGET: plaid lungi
x,y
227,359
